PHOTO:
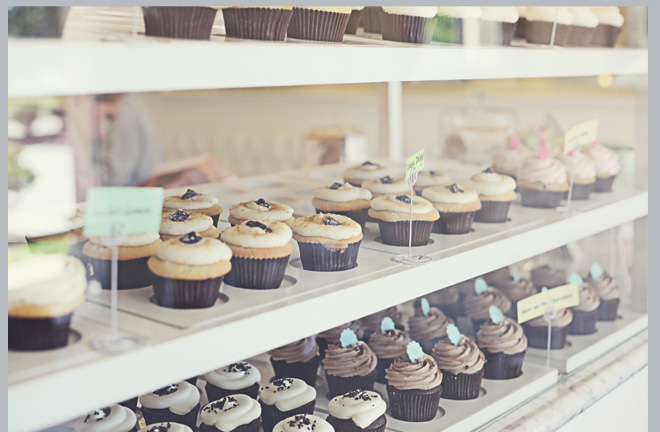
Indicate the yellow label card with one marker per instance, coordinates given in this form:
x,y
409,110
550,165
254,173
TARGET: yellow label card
x,y
584,133
562,297
415,161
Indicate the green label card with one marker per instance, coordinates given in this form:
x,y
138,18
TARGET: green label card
x,y
584,133
415,161
123,210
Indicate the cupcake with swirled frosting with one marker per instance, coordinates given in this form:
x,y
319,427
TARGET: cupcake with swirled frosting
x,y
412,24
260,252
235,413
462,366
607,166
497,277
331,336
299,359
283,398
583,170
113,418
175,223
366,171
508,160
430,178
610,24
427,330
194,202
585,314
319,23
477,305
542,180
548,276
608,291
457,206
504,345
357,411
540,23
496,193
536,330
177,403
343,199
446,299
166,427
516,290
387,185
260,209
371,323
236,378
349,368
387,345
303,423
188,271
392,212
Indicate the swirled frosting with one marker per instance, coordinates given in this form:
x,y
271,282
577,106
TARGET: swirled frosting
x,y
206,251
422,374
507,14
544,171
389,344
387,185
580,164
516,290
287,393
589,300
401,204
489,183
496,277
373,321
417,11
261,209
608,15
130,240
506,337
338,192
443,296
432,326
365,171
549,14
450,194
300,351
508,160
177,222
332,335
304,423
563,318
354,360
190,200
327,225
477,305
257,234
363,407
431,178
606,286
546,276
465,357
583,16
236,376
166,427
179,398
113,418
605,160
230,412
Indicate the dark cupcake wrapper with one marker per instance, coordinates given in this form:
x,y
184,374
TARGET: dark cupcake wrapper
x,y
214,393
359,216
584,323
454,223
603,184
497,33
398,233
253,426
540,32
414,405
306,371
492,211
347,425
381,367
406,28
461,386
186,294
580,191
164,415
257,273
256,23
130,273
580,36
501,366
537,336
270,415
339,385
317,25
353,21
605,36
32,334
520,29
608,309
181,22
448,30
370,21
540,198
317,257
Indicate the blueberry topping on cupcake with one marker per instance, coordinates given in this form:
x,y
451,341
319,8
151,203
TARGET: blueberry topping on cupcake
x,y
256,224
488,171
454,188
189,194
403,198
97,415
179,216
191,238
262,203
386,180
368,163
164,391
329,220
335,186
433,172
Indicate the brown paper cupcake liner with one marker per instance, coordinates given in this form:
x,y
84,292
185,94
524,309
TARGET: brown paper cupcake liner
x,y
253,426
501,366
605,36
353,21
454,223
497,33
406,28
603,184
398,233
186,294
181,22
540,198
317,25
492,212
359,216
520,29
214,393
306,371
414,405
339,385
540,32
270,415
32,334
608,309
580,191
584,323
461,386
256,23
130,273
370,21
448,30
164,415
537,336
381,367
257,273
580,36
316,257
347,425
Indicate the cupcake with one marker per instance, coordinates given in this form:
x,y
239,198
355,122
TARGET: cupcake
x,y
497,277
166,427
354,19
283,398
540,21
343,199
193,202
357,411
447,300
299,359
583,172
235,413
387,185
466,287
542,180
113,418
187,272
179,22
548,276
237,378
370,21
319,23
414,24
366,171
393,215
608,291
583,27
461,363
427,179
327,242
477,303
522,20
536,330
509,160
496,193
349,365
262,23
387,343
262,210
41,303
428,325
607,166
260,252
504,344
175,223
133,253
451,20
457,206
610,23
498,24
177,403
585,314
331,336
414,386
372,323
516,289
304,423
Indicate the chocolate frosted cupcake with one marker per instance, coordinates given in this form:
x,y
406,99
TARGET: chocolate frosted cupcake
x,y
175,223
610,24
536,330
387,185
304,423
607,289
585,314
354,19
237,378
343,199
327,242
509,160
427,327
370,21
457,206
188,271
177,403
357,411
427,179
607,166
388,343
133,253
504,344
43,293
113,418
283,398
332,335
496,193
547,276
194,202
372,323
583,170
497,277
451,20
366,171
319,23
393,215
261,23
462,365
540,21
542,181
166,427
261,210
498,25
178,21
349,365
447,300
413,24
516,289
235,413
260,252
477,303
299,359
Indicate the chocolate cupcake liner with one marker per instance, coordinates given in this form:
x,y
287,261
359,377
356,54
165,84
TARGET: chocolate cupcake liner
x,y
607,310
214,393
428,344
540,32
339,385
540,198
181,22
605,36
347,425
32,334
256,23
317,25
398,233
454,223
130,273
306,371
164,415
580,36
36,21
461,386
580,191
370,21
257,273
253,426
584,323
448,30
353,21
359,216
414,405
186,294
501,366
131,404
603,184
270,415
537,336
492,211
406,28
519,33
317,257
381,367
497,33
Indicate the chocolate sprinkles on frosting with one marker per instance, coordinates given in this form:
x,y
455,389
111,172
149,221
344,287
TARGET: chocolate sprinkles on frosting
x,y
189,194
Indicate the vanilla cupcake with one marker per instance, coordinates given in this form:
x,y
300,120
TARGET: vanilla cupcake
x,y
451,21
584,26
194,202
542,181
113,418
283,398
260,22
607,166
262,210
173,403
260,253
236,378
414,24
387,185
343,199
366,171
175,223
393,215
540,21
583,172
498,24
187,271
319,23
509,160
610,24
235,413
496,193
457,206
427,179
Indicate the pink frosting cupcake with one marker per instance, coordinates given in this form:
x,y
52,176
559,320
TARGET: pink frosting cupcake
x,y
542,180
510,159
607,166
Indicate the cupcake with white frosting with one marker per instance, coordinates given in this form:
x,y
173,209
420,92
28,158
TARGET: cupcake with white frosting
x,y
582,170
187,271
452,19
584,26
133,253
178,403
175,223
260,209
354,19
387,185
303,423
113,418
413,24
235,413
393,215
283,398
457,205
166,427
319,23
194,202
540,21
58,234
607,166
343,199
430,178
236,378
542,180
327,242
299,359
260,253
261,23
610,24
496,193
498,24
356,411
366,171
